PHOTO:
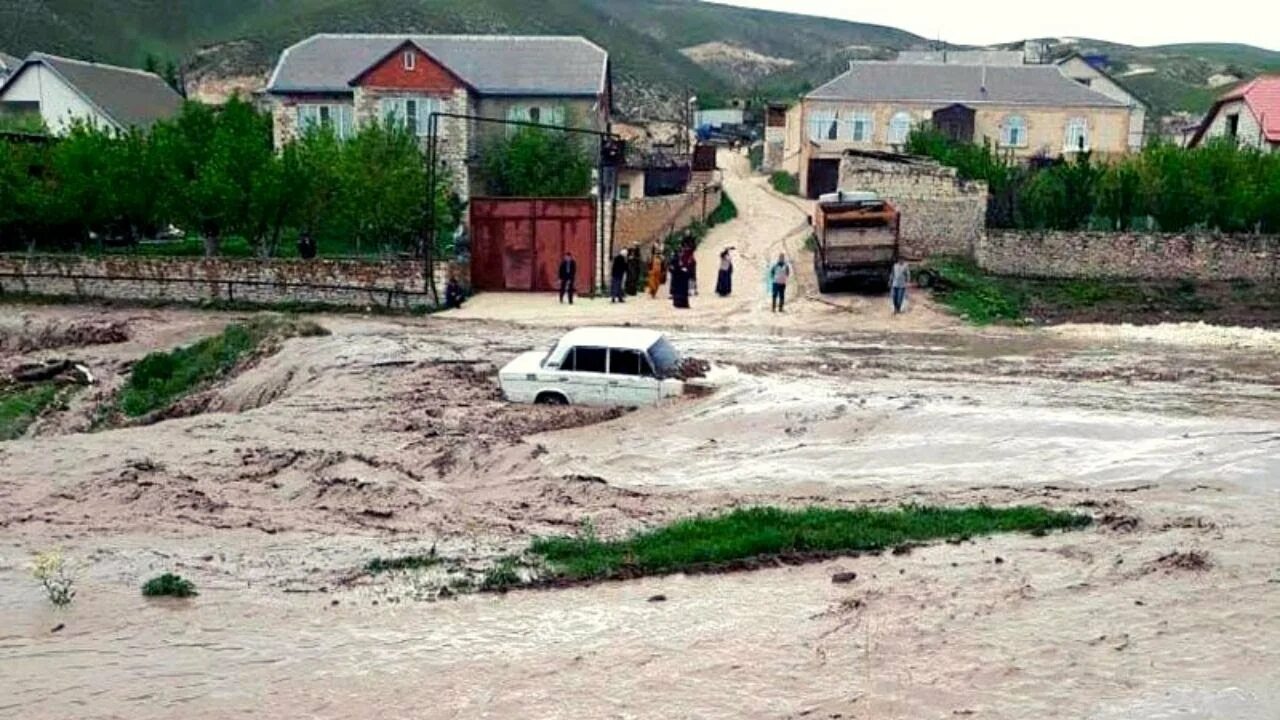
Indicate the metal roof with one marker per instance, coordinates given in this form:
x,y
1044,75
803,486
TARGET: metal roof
x,y
612,337
968,84
491,64
132,98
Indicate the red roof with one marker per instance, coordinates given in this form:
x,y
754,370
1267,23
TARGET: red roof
x,y
1262,96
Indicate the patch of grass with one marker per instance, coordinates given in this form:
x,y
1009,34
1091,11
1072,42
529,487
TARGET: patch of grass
x,y
21,405
724,212
169,585
504,575
161,378
981,298
708,543
404,562
785,183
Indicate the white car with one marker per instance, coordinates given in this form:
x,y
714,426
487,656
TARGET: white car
x,y
625,367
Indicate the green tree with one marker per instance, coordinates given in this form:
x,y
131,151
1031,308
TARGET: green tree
x,y
536,162
384,178
1120,194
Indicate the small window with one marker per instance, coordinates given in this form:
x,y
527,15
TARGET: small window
x,y
1014,131
1233,125
1077,138
535,114
860,127
822,126
624,191
411,116
628,362
585,359
410,60
899,128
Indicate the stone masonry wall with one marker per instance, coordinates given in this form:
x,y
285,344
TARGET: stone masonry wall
x,y
355,283
939,213
1143,256
645,221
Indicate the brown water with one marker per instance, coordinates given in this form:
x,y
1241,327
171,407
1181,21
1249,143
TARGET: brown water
x,y
1185,439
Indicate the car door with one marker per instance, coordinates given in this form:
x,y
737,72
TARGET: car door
x,y
631,379
584,372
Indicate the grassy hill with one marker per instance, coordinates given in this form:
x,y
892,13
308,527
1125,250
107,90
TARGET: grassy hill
x,y
645,37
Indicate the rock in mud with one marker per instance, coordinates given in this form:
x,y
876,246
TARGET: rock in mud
x,y
843,578
658,598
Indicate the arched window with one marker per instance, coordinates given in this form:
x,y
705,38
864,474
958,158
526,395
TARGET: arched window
x,y
1077,137
899,128
1014,131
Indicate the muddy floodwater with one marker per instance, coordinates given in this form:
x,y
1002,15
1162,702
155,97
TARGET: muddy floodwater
x,y
388,437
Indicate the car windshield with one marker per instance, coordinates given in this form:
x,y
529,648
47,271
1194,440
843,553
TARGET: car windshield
x,y
666,359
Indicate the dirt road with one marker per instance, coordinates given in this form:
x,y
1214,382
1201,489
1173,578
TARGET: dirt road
x,y
387,438
768,224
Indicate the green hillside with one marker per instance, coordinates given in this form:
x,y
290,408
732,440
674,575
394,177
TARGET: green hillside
x,y
645,38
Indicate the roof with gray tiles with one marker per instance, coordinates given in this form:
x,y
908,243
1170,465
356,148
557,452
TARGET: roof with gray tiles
x,y
1043,85
492,64
133,98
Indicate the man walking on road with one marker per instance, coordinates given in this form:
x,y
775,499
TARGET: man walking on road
x,y
618,279
568,272
898,279
779,275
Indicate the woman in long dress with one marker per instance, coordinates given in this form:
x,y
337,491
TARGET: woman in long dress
x,y
655,272
680,284
724,281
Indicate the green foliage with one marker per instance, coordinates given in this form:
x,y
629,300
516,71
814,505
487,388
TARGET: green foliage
x,y
378,566
163,377
21,405
214,173
169,585
23,123
980,298
746,535
724,212
536,162
785,183
504,574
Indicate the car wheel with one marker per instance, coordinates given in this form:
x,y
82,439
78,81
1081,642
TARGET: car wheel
x,y
551,399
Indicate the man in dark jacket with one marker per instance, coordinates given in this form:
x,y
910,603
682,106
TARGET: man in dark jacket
x,y
617,279
568,271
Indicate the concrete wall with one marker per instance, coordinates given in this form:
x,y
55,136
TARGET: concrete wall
x,y
1146,256
646,221
939,213
395,284
60,104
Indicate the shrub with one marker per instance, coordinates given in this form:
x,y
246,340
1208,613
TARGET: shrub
x,y
785,183
169,585
55,577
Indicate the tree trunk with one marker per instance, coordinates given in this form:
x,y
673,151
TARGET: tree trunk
x,y
212,245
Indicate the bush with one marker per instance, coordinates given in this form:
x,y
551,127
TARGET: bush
x,y
755,156
169,585
21,405
536,162
55,577
724,212
785,183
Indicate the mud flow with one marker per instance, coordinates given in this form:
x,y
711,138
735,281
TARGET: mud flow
x,y
389,439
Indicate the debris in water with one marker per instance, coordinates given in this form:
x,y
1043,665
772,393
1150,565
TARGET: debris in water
x,y
658,598
842,578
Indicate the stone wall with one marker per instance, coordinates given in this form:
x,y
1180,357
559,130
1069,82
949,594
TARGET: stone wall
x,y
648,220
392,284
940,214
1143,256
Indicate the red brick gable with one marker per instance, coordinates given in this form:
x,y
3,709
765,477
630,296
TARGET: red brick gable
x,y
427,75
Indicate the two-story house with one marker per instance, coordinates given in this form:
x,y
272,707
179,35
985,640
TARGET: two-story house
x,y
1249,115
1023,110
349,81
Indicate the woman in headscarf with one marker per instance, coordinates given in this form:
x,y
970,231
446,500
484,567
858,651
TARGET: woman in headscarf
x,y
724,281
656,272
680,273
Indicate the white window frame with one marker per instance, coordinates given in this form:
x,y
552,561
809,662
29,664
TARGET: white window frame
x,y
1011,124
409,111
338,116
820,125
410,59
1077,129
867,122
899,128
547,115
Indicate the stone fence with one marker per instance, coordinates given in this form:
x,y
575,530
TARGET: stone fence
x,y
1140,256
940,213
353,283
644,221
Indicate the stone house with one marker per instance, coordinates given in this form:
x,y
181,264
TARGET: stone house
x,y
63,91
1249,114
1023,110
349,81
1078,68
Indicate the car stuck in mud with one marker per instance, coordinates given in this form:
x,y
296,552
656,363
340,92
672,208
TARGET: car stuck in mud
x,y
605,366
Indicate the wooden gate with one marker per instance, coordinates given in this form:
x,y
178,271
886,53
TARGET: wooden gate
x,y
517,243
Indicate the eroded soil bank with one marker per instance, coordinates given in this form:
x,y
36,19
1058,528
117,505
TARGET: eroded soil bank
x,y
388,438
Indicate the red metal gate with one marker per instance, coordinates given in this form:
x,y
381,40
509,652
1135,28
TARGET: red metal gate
x,y
517,243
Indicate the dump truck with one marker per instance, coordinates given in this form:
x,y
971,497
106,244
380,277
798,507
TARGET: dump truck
x,y
856,236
